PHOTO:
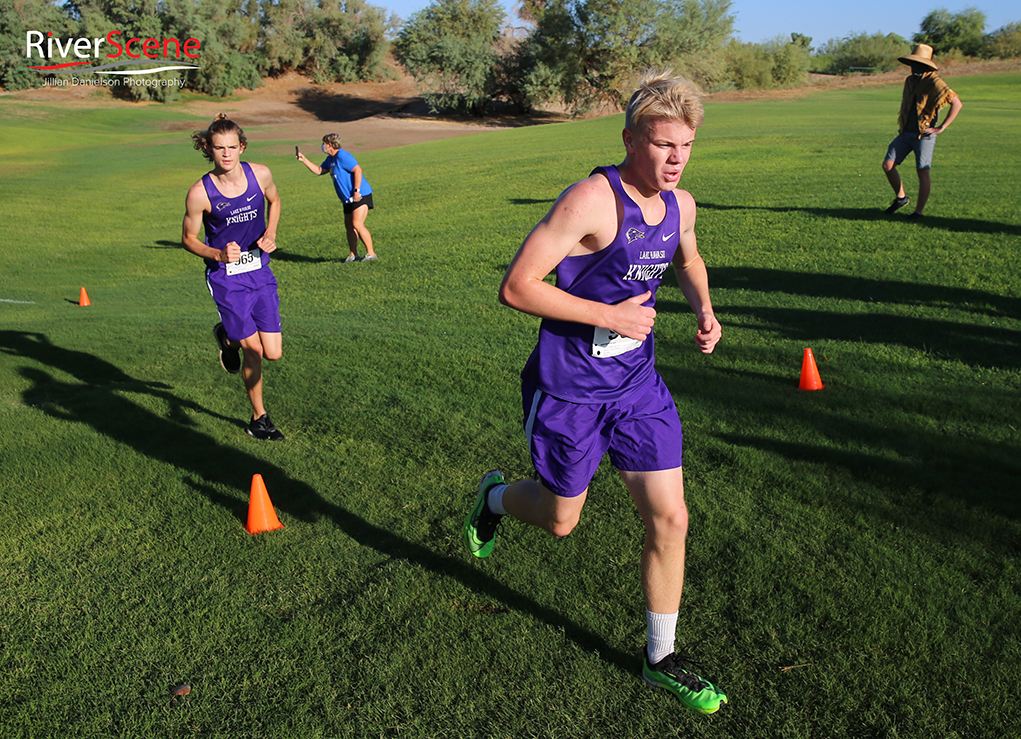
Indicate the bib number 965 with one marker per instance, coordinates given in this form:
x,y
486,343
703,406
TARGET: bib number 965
x,y
249,262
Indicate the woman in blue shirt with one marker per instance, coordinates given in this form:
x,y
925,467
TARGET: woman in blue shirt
x,y
353,189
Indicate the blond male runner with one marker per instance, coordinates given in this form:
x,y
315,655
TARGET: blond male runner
x,y
590,386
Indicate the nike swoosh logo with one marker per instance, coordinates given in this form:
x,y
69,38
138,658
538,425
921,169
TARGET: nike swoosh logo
x,y
256,194
668,235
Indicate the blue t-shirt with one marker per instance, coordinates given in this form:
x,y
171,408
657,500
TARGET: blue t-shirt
x,y
341,165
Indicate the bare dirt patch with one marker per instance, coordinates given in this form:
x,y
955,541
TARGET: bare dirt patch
x,y
367,115
380,115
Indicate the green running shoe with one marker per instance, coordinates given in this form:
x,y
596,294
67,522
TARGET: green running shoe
x,y
672,675
480,525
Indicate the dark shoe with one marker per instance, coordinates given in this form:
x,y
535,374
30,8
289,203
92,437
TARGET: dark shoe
x,y
914,216
230,356
671,674
263,428
897,204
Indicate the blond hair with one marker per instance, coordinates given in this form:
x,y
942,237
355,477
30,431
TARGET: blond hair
x,y
660,94
332,139
203,140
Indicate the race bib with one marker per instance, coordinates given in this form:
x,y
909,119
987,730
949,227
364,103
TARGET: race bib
x,y
249,262
607,343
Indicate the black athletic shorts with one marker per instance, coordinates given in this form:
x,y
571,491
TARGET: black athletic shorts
x,y
352,207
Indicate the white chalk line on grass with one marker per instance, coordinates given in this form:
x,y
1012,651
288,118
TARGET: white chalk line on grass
x,y
22,302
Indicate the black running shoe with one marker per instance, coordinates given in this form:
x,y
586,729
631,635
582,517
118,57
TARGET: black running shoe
x,y
230,356
263,428
897,204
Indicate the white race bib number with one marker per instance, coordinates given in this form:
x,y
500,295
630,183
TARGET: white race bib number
x,y
249,262
607,343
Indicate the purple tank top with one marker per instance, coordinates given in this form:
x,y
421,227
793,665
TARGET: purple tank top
x,y
585,364
241,219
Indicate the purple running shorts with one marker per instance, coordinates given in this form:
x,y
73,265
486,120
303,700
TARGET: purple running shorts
x,y
567,440
246,309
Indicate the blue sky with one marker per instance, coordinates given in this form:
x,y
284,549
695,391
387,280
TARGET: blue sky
x,y
819,19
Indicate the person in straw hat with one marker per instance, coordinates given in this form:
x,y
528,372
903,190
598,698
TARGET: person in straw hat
x,y
924,94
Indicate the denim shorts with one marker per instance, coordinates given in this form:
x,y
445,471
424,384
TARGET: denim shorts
x,y
907,142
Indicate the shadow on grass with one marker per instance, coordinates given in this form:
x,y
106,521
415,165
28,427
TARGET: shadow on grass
x,y
980,346
956,225
287,256
209,467
814,285
283,256
340,108
979,477
983,346
530,201
863,427
893,441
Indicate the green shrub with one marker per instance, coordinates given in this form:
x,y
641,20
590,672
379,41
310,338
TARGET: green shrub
x,y
17,17
790,62
329,41
449,48
775,63
241,41
1004,43
944,31
750,66
691,36
864,52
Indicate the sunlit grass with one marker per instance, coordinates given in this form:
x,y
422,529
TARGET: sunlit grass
x,y
853,562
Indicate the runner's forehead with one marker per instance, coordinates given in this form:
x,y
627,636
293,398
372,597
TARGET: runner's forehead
x,y
675,132
229,138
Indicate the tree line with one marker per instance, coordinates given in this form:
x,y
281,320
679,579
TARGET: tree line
x,y
588,53
467,58
242,41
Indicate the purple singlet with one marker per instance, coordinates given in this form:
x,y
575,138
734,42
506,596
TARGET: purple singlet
x,y
583,364
241,219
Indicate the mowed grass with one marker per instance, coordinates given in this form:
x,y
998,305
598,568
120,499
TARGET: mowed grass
x,y
853,564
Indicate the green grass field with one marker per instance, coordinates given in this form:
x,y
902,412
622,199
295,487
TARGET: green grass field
x,y
854,567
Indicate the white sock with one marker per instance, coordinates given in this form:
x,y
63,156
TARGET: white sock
x,y
660,631
495,500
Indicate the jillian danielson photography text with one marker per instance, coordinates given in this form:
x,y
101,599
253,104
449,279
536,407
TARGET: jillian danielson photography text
x,y
104,82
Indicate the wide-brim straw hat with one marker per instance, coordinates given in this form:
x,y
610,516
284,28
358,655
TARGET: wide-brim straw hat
x,y
922,54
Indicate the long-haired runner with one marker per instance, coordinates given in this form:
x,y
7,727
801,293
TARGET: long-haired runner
x,y
238,207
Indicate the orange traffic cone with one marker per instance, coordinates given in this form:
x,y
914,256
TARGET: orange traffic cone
x,y
810,379
261,516
83,299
